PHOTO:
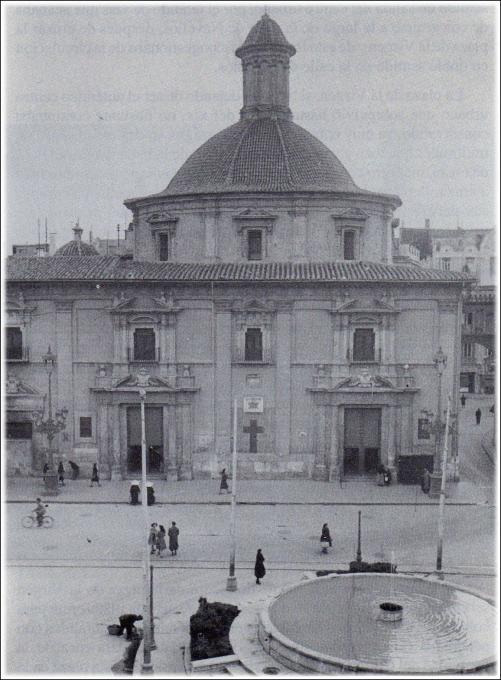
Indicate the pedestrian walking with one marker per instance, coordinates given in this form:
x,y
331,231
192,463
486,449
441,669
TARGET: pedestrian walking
x,y
95,476
425,481
150,493
134,492
259,570
325,538
463,400
45,469
224,482
161,545
478,415
60,472
173,539
152,538
75,469
127,622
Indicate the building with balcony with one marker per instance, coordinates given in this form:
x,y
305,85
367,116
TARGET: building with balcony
x,y
261,274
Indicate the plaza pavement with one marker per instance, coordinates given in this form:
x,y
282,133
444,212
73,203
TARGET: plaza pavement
x,y
253,492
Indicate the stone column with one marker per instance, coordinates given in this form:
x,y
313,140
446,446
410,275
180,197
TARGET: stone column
x,y
392,411
320,468
283,381
116,468
223,389
171,470
63,375
186,471
102,438
335,458
166,439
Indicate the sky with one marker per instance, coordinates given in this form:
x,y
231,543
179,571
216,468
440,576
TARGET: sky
x,y
106,102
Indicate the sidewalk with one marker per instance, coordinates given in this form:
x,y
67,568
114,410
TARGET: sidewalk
x,y
251,492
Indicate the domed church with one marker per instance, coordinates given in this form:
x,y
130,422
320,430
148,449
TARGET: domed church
x,y
262,276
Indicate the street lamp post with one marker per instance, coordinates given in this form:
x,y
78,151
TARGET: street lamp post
x,y
359,543
147,666
231,583
51,426
440,362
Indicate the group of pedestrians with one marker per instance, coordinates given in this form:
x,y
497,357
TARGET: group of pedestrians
x,y
75,472
156,539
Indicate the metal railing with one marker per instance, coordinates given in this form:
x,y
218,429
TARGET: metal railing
x,y
131,356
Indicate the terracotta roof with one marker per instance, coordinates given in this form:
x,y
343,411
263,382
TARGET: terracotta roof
x,y
265,155
266,33
103,268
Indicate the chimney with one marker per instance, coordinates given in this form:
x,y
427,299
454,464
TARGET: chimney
x,y
427,223
52,243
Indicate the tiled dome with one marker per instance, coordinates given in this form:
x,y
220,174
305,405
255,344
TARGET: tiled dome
x,y
264,154
76,247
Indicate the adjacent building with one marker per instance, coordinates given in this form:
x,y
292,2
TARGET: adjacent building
x,y
261,276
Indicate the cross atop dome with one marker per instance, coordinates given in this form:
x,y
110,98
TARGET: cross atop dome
x,y
265,57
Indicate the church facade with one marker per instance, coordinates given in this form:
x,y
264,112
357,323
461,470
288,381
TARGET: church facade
x,y
262,276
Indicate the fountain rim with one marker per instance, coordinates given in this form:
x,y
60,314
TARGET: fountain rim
x,y
354,664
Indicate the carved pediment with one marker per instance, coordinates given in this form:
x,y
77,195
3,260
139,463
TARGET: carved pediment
x,y
143,303
365,380
350,215
161,218
368,305
14,386
255,214
142,379
254,305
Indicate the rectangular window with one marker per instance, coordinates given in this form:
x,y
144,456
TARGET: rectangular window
x,y
364,344
144,344
163,247
253,344
467,350
14,343
469,319
349,245
85,427
446,263
19,430
255,244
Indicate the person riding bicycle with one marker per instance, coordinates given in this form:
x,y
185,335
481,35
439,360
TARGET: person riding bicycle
x,y
40,512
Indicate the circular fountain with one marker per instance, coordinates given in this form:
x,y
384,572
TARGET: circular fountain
x,y
379,623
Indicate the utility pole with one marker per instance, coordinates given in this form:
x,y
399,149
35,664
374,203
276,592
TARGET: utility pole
x,y
442,491
359,543
231,583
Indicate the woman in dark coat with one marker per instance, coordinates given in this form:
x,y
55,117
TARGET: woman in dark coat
x,y
95,475
224,481
45,470
161,545
325,537
259,570
134,492
60,472
173,542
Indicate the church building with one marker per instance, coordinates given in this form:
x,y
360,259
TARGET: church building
x,y
261,274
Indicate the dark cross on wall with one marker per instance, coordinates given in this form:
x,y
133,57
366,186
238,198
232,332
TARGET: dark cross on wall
x,y
253,430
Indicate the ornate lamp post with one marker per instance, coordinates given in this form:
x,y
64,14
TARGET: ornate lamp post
x,y
440,362
50,426
147,666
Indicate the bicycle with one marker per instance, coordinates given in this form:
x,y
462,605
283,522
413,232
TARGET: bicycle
x,y
31,521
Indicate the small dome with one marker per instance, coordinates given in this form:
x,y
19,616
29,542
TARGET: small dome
x,y
76,247
266,33
264,154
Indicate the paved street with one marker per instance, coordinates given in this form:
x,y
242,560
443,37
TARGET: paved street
x,y
84,572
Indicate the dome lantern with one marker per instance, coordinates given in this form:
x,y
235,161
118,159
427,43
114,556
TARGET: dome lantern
x,y
265,67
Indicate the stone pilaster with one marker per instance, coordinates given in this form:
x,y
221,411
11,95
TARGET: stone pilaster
x,y
283,381
116,468
335,457
171,463
63,395
186,471
223,392
320,471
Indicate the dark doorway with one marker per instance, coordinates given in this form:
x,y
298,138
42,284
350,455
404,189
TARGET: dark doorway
x,y
154,440
362,440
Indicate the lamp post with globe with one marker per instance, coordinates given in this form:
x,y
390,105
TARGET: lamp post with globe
x,y
50,426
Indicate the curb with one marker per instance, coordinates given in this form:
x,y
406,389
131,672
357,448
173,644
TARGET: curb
x,y
312,503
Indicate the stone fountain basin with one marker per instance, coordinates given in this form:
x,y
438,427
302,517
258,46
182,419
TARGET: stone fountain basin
x,y
334,623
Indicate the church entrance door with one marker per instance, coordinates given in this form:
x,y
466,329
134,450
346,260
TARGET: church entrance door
x,y
362,440
154,440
